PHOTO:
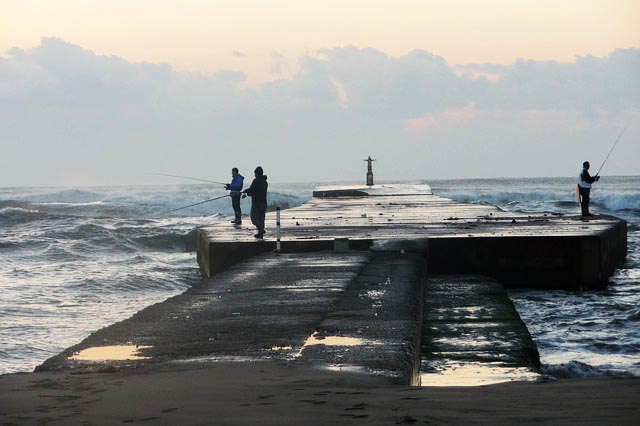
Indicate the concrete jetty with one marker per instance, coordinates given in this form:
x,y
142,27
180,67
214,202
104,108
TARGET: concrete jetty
x,y
420,289
536,251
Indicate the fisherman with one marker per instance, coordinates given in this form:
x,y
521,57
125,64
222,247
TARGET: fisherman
x,y
258,193
584,187
237,181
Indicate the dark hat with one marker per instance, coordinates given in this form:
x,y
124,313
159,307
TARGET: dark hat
x,y
259,170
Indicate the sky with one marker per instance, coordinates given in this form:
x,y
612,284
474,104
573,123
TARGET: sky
x,y
99,93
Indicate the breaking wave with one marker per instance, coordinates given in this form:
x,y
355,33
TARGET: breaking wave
x,y
612,201
69,196
577,369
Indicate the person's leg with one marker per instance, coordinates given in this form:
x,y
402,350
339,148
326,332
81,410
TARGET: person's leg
x,y
261,217
584,201
254,214
235,202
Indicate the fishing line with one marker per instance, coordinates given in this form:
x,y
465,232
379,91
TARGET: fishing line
x,y
187,177
191,205
614,145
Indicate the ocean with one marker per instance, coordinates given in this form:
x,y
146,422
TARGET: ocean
x,y
73,260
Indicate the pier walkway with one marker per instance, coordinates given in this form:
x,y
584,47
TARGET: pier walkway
x,y
536,251
358,311
420,292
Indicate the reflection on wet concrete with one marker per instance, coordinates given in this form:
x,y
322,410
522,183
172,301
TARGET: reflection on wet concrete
x,y
475,374
473,335
110,353
281,348
317,339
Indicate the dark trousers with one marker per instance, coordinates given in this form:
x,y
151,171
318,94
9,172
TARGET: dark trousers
x,y
584,200
258,211
235,203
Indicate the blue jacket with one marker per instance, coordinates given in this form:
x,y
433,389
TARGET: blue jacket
x,y
236,184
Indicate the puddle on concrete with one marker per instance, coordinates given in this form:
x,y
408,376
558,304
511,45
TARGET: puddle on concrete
x,y
110,353
375,294
314,339
313,290
467,341
281,348
476,374
225,358
345,368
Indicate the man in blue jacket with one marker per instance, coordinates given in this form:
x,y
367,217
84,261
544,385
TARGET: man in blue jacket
x,y
258,193
237,180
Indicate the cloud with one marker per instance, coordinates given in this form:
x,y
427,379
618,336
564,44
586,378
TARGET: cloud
x,y
238,54
69,112
609,83
487,68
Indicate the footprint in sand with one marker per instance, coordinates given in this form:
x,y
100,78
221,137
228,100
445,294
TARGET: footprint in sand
x,y
406,420
360,406
265,396
314,401
354,416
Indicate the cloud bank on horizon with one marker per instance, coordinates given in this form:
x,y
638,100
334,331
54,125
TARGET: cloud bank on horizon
x,y
72,117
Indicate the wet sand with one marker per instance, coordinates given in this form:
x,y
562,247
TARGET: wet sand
x,y
268,392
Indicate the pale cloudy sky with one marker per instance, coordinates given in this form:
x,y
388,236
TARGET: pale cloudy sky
x,y
96,92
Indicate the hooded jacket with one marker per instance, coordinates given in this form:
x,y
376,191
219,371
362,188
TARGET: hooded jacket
x,y
236,184
258,189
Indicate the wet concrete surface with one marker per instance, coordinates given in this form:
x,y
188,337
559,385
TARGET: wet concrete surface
x,y
264,307
470,321
416,214
545,251
353,311
383,309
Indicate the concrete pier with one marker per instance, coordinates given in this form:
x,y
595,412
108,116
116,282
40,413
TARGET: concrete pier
x,y
419,290
536,251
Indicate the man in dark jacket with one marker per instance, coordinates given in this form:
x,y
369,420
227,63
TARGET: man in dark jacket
x,y
237,180
258,193
584,187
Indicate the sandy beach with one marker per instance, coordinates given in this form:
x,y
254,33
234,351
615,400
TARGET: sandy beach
x,y
266,392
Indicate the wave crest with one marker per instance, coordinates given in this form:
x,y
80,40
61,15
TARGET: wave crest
x,y
613,201
577,369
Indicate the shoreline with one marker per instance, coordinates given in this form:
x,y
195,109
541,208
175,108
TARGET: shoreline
x,y
273,392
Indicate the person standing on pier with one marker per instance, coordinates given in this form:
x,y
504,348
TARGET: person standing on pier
x,y
584,187
258,193
237,181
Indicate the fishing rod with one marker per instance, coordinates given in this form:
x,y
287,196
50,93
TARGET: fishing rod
x,y
191,205
186,177
613,146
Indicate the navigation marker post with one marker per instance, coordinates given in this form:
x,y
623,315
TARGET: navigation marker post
x,y
278,247
369,171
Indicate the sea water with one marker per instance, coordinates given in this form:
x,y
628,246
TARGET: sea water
x,y
73,260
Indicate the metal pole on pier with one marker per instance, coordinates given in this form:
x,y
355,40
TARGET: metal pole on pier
x,y
278,247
